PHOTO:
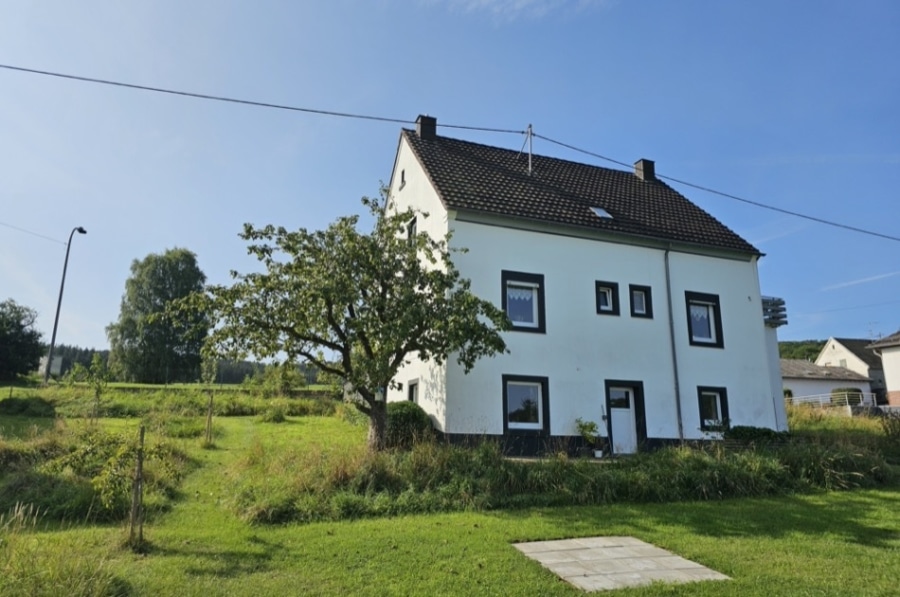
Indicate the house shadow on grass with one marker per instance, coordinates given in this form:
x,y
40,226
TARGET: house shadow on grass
x,y
208,560
854,516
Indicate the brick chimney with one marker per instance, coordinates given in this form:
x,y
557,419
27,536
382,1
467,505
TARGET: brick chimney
x,y
645,169
426,127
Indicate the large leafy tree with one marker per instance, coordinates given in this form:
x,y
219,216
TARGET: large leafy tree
x,y
20,344
355,304
146,344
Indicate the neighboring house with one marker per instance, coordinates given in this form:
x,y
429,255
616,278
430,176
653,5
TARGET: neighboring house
x,y
630,305
854,354
805,381
889,350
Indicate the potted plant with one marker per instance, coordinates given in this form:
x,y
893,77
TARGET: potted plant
x,y
590,432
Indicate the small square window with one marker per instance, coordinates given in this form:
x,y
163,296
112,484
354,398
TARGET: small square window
x,y
704,319
523,300
607,298
525,404
713,408
641,301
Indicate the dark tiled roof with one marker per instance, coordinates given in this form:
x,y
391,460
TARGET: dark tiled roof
x,y
480,178
858,347
892,340
798,368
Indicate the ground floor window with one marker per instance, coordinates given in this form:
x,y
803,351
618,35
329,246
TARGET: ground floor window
x,y
525,404
412,391
713,408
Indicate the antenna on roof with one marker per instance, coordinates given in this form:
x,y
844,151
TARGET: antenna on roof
x,y
530,135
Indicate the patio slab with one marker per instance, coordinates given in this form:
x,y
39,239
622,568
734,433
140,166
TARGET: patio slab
x,y
606,563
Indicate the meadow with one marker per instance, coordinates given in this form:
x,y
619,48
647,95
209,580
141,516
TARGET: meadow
x,y
299,507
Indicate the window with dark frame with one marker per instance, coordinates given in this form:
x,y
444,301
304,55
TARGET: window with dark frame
x,y
704,318
526,408
713,404
412,391
607,297
412,230
523,300
641,301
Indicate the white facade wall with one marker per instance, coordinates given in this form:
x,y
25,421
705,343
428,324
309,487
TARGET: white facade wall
x,y
777,387
815,387
890,359
834,353
581,349
410,188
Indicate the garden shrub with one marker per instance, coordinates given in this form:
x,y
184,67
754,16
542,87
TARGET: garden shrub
x,y
849,396
27,407
273,414
755,434
407,424
432,477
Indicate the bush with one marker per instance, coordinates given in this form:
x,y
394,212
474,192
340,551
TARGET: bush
x,y
754,434
407,424
273,414
27,407
848,396
278,485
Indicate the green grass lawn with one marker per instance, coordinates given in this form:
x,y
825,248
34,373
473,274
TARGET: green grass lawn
x,y
844,543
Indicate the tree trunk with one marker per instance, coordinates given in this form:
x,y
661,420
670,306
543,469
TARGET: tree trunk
x,y
377,425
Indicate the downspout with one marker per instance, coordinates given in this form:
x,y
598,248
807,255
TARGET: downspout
x,y
673,347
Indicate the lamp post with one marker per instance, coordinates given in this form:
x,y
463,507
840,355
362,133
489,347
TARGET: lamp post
x,y
62,285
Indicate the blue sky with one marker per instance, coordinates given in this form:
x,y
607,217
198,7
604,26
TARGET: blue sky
x,y
793,104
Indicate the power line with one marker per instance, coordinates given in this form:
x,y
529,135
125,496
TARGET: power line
x,y
233,100
729,195
452,126
32,233
851,308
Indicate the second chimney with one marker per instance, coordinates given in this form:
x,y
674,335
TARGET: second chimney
x,y
645,169
426,127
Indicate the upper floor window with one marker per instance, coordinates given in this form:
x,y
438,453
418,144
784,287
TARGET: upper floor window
x,y
704,319
412,230
641,301
607,297
523,300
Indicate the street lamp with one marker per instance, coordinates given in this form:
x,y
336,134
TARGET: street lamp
x,y
62,285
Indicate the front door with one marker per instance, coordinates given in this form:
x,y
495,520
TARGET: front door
x,y
622,420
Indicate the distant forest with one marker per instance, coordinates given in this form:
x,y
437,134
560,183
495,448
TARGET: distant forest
x,y
807,350
229,372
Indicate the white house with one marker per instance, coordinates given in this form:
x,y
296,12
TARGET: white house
x,y
889,350
808,382
854,354
631,306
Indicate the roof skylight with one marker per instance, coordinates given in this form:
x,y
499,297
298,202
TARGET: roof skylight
x,y
600,212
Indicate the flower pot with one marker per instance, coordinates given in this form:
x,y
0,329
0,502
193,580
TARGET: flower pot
x,y
598,453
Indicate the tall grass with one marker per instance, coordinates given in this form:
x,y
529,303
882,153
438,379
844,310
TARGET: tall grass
x,y
77,401
295,485
29,566
85,474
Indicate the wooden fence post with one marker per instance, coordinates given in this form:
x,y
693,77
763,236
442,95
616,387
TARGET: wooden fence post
x,y
137,498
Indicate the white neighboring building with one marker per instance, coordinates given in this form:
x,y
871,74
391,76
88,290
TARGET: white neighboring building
x,y
854,354
889,350
631,306
808,382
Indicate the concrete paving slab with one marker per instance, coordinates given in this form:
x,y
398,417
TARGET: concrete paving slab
x,y
606,563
